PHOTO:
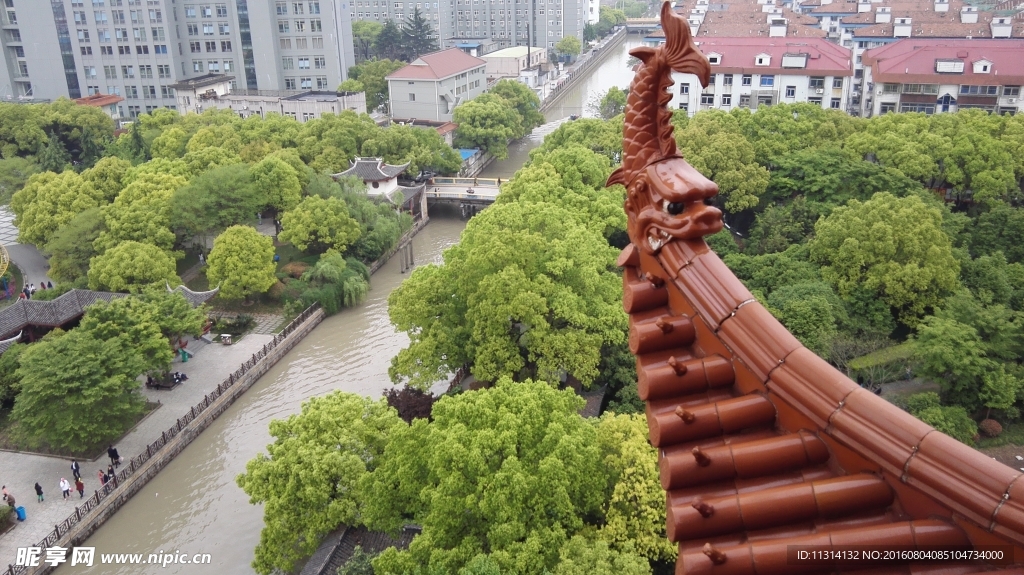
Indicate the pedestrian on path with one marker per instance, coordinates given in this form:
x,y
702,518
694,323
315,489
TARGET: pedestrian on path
x,y
49,285
80,486
102,476
110,472
76,470
114,457
65,488
202,259
8,497
39,492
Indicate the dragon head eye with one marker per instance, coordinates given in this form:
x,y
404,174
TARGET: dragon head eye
x,y
674,208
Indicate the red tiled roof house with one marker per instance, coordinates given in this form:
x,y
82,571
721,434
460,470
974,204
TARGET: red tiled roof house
x,y
432,85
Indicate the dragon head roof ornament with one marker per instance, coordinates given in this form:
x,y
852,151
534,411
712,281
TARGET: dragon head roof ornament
x,y
665,194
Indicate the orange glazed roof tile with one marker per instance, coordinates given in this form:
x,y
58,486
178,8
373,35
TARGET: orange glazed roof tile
x,y
762,444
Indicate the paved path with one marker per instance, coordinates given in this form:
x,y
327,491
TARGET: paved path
x,y
19,472
8,233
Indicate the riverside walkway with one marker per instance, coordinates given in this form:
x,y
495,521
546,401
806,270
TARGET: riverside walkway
x,y
20,471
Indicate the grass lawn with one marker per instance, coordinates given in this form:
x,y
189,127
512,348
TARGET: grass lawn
x,y
893,353
262,305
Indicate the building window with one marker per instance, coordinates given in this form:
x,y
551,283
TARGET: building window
x,y
225,46
86,50
300,25
889,88
288,63
684,88
142,49
319,62
282,8
300,43
213,66
304,63
318,42
134,111
158,34
206,12
315,25
190,11
146,71
156,16
197,65
816,83
124,50
160,49
131,92
83,35
211,46
229,66
926,108
314,7
140,34
834,103
224,28
745,100
791,91
837,83
815,101
284,26
163,70
727,80
286,43
1011,90
412,97
306,83
298,8
195,47
207,29
767,81
746,80
90,72
149,92
707,100
106,50
127,71
684,106
93,90
289,83
727,99
981,90
121,34
222,11
920,88
321,83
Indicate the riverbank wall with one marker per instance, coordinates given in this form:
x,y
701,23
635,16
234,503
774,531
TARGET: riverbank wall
x,y
582,66
137,472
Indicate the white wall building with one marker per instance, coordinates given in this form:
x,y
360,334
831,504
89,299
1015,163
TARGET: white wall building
x,y
935,76
750,72
431,86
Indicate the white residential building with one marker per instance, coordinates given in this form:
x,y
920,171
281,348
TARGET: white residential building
x,y
751,72
432,85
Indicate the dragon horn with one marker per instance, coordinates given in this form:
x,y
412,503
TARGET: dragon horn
x,y
681,53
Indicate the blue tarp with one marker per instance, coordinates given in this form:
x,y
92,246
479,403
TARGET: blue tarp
x,y
467,153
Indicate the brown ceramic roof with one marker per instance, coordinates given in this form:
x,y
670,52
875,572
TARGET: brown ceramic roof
x,y
437,66
912,60
762,445
733,18
98,100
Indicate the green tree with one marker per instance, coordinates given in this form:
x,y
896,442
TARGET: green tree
x,y
600,136
580,556
10,381
14,173
999,389
997,229
77,391
72,247
953,354
569,45
335,282
780,226
170,144
317,224
278,184
892,247
589,32
475,476
423,149
809,311
634,513
487,122
360,563
54,157
371,75
20,131
365,34
133,322
242,263
107,176
389,41
175,316
141,213
351,85
49,201
131,267
613,103
345,435
214,200
527,287
417,36
952,420
523,99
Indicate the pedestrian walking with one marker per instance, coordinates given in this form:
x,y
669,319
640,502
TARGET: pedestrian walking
x,y
80,486
102,477
8,497
76,470
110,472
202,259
65,488
39,492
49,285
114,457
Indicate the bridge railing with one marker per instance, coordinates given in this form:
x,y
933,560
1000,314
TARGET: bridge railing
x,y
476,195
465,181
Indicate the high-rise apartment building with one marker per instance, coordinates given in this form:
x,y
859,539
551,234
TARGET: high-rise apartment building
x,y
509,23
137,49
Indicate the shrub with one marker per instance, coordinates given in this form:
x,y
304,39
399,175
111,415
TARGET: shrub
x,y
295,269
921,401
990,428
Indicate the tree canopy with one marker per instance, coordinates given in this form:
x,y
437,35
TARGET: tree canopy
x,y
132,267
49,201
241,262
569,45
487,122
371,75
317,224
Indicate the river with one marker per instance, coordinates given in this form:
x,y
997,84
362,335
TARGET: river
x,y
194,505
